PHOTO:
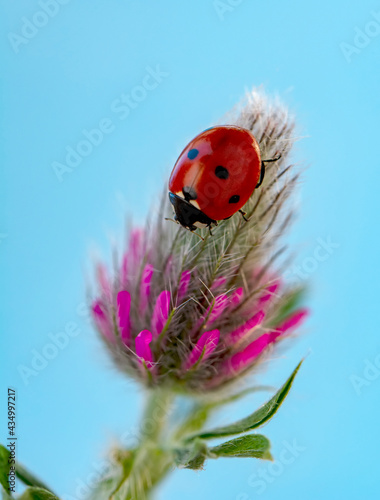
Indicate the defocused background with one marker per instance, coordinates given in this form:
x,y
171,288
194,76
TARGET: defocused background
x,y
65,68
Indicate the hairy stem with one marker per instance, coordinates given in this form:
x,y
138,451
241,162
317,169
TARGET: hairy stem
x,y
152,460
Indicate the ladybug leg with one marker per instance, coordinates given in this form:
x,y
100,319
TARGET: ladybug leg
x,y
243,214
262,172
209,228
172,220
196,234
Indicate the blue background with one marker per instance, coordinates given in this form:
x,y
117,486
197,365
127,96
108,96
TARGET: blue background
x,y
64,80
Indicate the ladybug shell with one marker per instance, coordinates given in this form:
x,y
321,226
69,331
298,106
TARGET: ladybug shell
x,y
218,171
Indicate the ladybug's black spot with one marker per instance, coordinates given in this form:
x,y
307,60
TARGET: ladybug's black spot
x,y
234,199
221,172
193,153
189,193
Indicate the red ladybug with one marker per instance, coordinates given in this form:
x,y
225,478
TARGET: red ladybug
x,y
214,176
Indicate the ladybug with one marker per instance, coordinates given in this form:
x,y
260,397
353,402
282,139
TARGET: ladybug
x,y
214,176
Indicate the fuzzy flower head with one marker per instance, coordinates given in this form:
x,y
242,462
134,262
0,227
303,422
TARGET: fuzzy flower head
x,y
197,314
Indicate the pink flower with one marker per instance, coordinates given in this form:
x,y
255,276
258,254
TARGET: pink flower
x,y
239,348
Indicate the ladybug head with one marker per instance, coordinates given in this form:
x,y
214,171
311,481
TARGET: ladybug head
x,y
186,214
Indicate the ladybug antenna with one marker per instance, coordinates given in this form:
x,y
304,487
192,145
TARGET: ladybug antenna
x,y
172,220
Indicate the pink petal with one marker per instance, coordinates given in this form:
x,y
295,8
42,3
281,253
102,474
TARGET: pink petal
x,y
102,322
123,310
290,323
183,285
243,359
135,244
124,270
103,281
143,349
146,280
161,312
218,282
269,294
217,309
236,297
168,265
243,330
206,344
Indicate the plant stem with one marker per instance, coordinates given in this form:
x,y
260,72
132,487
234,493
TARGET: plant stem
x,y
152,460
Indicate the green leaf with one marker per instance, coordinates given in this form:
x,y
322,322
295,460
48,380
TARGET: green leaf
x,y
37,494
253,445
256,419
21,472
239,395
5,495
28,478
194,456
4,467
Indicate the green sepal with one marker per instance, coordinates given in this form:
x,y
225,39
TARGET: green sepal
x,y
107,486
195,421
256,419
192,457
290,303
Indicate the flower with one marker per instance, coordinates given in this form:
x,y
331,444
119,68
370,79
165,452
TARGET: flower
x,y
197,314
